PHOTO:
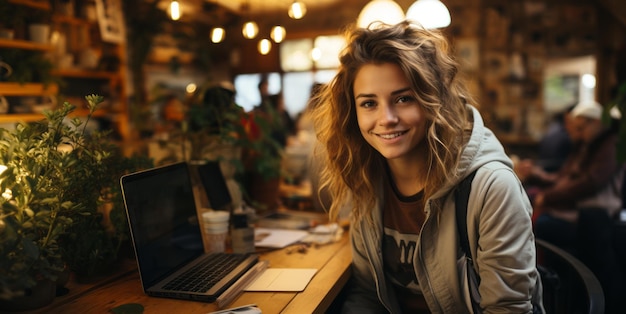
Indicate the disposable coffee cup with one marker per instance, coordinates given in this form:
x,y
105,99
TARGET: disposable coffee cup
x,y
215,224
215,235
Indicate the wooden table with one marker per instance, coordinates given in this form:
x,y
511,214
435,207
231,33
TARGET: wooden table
x,y
331,260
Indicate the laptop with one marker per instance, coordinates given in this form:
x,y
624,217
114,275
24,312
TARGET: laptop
x,y
167,237
214,185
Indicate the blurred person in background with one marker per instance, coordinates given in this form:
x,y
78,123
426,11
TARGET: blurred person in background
x,y
575,208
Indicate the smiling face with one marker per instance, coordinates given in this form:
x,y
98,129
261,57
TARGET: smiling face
x,y
390,118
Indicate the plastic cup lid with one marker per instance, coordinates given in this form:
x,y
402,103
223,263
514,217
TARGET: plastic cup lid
x,y
216,216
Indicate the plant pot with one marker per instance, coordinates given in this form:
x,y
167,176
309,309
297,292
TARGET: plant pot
x,y
40,295
264,192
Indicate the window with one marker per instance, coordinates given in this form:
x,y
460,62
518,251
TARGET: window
x,y
247,89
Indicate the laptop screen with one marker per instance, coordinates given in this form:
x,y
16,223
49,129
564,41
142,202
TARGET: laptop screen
x,y
214,185
162,216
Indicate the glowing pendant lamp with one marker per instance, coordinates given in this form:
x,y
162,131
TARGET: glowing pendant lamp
x,y
386,11
217,34
264,46
297,10
430,13
278,33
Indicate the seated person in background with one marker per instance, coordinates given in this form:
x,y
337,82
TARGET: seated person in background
x,y
554,149
574,207
556,144
591,176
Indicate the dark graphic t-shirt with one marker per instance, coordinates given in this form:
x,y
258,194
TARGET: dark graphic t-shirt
x,y
402,219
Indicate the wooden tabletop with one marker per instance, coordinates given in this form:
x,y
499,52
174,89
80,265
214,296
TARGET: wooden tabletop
x,y
331,260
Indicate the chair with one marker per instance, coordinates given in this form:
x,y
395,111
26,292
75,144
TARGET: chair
x,y
568,285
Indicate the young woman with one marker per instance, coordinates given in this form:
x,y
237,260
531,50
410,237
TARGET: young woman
x,y
398,133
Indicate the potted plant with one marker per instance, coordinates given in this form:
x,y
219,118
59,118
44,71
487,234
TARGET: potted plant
x,y
263,156
51,185
93,243
219,129
213,117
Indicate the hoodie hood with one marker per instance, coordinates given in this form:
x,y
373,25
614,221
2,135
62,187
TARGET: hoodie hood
x,y
482,147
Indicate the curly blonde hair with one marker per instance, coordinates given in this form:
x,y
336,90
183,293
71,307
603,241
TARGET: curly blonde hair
x,y
352,168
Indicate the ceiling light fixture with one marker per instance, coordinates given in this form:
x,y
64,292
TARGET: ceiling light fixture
x,y
297,10
250,29
217,35
278,34
386,11
265,45
430,13
174,10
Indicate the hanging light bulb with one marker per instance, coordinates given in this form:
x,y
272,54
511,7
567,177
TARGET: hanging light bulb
x,y
278,34
316,54
297,10
217,35
430,13
250,29
174,10
386,11
265,45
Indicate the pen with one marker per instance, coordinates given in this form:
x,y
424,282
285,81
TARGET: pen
x,y
237,288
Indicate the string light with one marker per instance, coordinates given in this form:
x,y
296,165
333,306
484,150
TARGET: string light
x,y
174,10
217,35
278,34
265,45
297,10
250,29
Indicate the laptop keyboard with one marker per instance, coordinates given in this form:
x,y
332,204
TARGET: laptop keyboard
x,y
206,274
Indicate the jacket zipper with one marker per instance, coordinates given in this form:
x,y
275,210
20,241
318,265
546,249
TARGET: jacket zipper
x,y
373,270
421,251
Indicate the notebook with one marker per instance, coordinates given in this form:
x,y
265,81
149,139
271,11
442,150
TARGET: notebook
x,y
166,235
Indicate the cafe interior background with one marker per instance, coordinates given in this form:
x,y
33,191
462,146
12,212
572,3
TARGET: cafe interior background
x,y
524,60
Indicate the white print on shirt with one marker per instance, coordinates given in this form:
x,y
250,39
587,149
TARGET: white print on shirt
x,y
399,251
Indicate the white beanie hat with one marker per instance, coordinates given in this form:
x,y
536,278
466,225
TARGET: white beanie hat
x,y
588,109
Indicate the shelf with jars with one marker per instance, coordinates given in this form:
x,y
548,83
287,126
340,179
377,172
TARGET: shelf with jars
x,y
26,82
80,62
88,63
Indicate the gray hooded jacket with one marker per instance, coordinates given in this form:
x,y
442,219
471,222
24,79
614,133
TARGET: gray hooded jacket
x,y
500,236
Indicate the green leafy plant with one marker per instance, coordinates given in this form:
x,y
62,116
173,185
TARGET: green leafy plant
x,y
215,121
264,151
55,178
214,115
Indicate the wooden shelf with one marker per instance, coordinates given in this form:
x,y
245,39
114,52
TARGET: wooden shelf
x,y
20,117
64,19
26,89
79,73
24,44
37,4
